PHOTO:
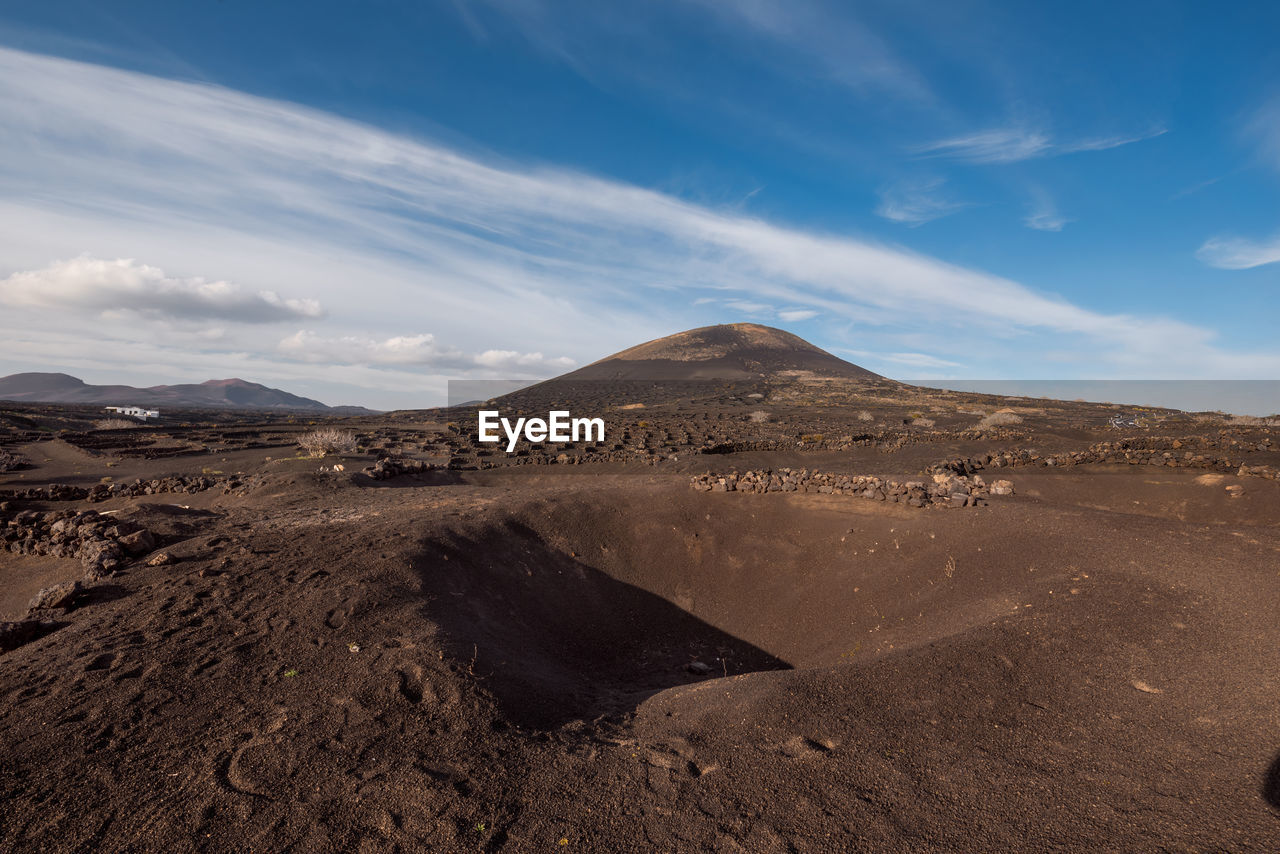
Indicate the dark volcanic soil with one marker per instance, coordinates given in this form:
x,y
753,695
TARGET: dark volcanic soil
x,y
574,650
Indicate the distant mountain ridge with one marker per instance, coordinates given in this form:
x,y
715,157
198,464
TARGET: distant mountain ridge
x,y
231,393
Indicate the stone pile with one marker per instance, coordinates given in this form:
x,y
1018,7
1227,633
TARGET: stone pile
x,y
10,461
942,490
389,467
102,544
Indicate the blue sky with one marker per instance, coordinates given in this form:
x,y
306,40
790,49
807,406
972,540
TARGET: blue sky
x,y
361,201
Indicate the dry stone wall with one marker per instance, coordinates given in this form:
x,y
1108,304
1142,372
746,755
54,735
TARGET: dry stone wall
x,y
940,490
1198,452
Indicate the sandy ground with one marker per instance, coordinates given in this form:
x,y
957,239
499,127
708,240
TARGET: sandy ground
x,y
597,658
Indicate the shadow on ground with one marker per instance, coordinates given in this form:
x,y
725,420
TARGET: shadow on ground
x,y
555,640
1271,784
435,477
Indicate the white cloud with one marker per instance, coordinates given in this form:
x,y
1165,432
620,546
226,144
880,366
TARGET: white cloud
x,y
760,310
512,361
351,349
748,307
1045,221
915,203
413,350
123,285
1237,253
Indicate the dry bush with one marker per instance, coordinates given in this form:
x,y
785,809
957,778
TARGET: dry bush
x,y
759,416
864,415
922,422
116,424
999,419
327,440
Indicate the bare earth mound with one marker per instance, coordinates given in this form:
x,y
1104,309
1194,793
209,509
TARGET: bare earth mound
x,y
732,351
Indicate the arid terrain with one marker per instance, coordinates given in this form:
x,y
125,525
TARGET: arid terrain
x,y
786,605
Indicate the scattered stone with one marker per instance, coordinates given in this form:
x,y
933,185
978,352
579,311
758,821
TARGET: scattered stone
x,y
137,543
10,461
1002,487
57,596
698,668
1235,491
160,559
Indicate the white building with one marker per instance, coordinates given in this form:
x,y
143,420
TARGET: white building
x,y
135,411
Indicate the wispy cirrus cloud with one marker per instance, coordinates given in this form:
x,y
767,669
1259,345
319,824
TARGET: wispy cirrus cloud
x,y
1045,220
914,203
1230,252
1102,143
390,232
998,145
1014,144
844,49
917,361
1044,215
1264,128
1238,253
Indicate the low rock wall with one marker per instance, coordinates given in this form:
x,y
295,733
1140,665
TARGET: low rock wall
x,y
941,490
